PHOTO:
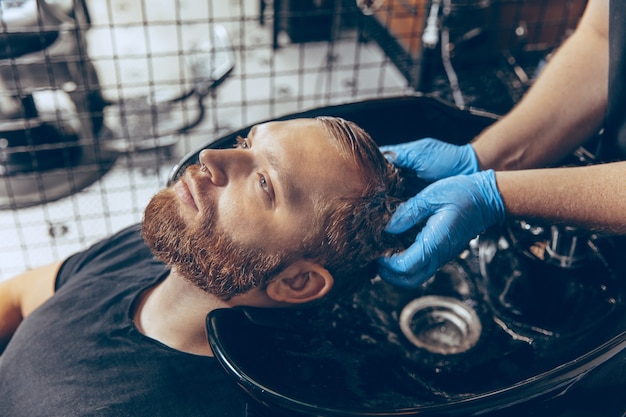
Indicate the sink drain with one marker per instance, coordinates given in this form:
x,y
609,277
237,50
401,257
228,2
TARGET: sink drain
x,y
440,325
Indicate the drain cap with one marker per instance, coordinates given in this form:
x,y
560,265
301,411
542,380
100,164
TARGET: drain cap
x,y
442,325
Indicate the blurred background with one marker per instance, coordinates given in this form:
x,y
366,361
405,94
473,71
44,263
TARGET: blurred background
x,y
100,98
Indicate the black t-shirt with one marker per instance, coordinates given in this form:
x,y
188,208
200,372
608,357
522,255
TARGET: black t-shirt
x,y
80,354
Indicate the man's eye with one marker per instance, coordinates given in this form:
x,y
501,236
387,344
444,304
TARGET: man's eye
x,y
263,183
242,143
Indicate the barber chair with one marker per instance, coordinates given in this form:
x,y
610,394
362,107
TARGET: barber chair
x,y
529,320
50,103
53,138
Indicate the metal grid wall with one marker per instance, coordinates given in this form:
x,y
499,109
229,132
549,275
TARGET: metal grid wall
x,y
99,98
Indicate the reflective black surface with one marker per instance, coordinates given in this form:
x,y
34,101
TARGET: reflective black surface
x,y
353,359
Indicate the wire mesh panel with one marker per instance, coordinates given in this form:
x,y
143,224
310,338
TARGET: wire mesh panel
x,y
99,98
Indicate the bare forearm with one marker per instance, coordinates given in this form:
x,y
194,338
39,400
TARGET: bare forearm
x,y
564,107
10,313
592,197
21,295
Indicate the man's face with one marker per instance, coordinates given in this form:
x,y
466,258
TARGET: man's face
x,y
242,211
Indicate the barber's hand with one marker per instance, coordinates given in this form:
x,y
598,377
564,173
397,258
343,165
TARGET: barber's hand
x,y
432,159
456,210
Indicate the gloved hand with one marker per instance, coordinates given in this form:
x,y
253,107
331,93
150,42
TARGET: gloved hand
x,y
433,159
456,210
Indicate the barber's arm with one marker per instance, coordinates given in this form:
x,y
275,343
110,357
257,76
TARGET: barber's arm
x,y
564,107
456,209
591,197
20,295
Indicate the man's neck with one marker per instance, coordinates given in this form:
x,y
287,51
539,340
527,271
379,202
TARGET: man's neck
x,y
174,313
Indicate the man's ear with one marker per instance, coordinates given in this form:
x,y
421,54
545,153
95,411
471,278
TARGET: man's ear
x,y
301,282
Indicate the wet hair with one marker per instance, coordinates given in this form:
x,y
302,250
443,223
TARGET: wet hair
x,y
350,234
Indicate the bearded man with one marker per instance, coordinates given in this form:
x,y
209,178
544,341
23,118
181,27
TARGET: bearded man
x,y
292,215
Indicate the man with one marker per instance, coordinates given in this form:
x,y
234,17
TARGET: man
x,y
291,215
581,90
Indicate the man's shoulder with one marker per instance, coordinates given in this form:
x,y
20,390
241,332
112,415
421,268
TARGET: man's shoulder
x,y
123,253
129,234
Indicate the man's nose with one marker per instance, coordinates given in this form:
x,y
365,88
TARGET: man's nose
x,y
222,165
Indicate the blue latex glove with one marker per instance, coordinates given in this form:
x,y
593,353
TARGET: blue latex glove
x,y
456,210
432,159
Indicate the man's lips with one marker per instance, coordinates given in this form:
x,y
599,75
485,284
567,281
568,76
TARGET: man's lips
x,y
185,193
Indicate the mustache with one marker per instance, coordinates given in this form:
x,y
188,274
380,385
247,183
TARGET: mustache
x,y
203,253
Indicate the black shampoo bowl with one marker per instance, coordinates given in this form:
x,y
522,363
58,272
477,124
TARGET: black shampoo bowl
x,y
511,327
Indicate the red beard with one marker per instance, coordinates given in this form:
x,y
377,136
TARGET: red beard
x,y
204,254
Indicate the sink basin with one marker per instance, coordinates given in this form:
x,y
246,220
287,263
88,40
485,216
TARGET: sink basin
x,y
521,323
355,359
